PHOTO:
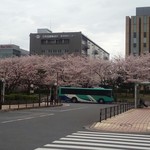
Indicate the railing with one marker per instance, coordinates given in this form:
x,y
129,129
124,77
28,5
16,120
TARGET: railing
x,y
33,104
114,110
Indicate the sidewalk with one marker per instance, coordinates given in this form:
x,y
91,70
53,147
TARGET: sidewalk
x,y
28,106
132,121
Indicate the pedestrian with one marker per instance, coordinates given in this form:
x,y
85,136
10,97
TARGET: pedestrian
x,y
142,103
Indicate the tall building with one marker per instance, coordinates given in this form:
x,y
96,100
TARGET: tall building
x,y
11,50
138,32
44,42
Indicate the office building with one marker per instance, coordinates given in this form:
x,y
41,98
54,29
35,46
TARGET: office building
x,y
138,32
11,50
44,42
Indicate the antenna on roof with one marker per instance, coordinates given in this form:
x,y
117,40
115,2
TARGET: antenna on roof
x,y
10,42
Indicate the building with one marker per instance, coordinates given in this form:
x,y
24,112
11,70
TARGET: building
x,y
11,50
44,42
138,32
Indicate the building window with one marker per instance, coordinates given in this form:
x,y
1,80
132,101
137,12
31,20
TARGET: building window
x,y
43,41
134,44
144,40
55,41
54,50
51,41
46,41
134,20
59,50
144,34
50,51
144,44
66,50
145,28
76,50
145,19
134,35
66,41
134,28
134,40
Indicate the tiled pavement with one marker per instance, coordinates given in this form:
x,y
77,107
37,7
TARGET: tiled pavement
x,y
132,121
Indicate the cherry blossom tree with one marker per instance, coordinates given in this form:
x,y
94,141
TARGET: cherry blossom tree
x,y
72,70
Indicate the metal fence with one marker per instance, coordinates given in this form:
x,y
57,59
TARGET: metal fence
x,y
33,104
114,110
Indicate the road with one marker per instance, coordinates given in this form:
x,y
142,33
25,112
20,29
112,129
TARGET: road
x,y
32,128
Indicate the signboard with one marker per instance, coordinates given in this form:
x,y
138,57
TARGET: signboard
x,y
54,36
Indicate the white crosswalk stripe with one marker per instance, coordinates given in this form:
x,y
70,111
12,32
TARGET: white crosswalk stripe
x,y
88,140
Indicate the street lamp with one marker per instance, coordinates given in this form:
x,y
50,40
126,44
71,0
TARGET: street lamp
x,y
56,88
2,91
31,88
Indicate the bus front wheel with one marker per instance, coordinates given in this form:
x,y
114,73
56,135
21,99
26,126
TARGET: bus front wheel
x,y
101,101
74,100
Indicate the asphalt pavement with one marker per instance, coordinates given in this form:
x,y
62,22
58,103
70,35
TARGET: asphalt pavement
x,y
132,121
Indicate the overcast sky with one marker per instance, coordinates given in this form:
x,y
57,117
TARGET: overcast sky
x,y
103,21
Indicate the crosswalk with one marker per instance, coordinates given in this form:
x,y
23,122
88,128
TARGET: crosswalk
x,y
88,140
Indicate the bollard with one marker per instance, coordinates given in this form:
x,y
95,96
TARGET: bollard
x,y
110,111
26,103
9,104
33,104
105,113
18,104
117,109
100,117
114,110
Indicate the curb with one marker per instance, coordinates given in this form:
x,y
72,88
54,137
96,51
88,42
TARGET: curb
x,y
15,109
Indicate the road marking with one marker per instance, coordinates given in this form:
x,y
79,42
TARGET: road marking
x,y
147,137
72,109
108,138
49,149
100,141
27,118
75,147
109,144
111,133
119,141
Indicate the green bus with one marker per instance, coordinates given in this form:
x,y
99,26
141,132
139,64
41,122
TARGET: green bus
x,y
93,95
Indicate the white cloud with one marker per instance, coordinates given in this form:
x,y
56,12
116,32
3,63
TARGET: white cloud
x,y
103,21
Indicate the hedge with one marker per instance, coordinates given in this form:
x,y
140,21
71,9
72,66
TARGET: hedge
x,y
20,98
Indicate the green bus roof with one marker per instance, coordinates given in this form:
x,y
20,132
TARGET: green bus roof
x,y
95,88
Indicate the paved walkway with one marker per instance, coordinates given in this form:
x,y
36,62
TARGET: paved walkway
x,y
28,106
132,121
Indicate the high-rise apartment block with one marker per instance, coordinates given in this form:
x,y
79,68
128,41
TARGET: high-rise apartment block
x,y
138,32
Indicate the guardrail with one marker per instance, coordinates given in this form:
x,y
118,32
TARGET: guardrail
x,y
114,110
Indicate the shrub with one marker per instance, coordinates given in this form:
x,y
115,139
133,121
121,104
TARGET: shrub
x,y
20,98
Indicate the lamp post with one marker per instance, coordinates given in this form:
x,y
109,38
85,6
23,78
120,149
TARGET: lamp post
x,y
135,94
31,88
56,88
2,91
